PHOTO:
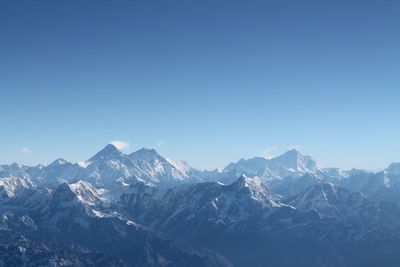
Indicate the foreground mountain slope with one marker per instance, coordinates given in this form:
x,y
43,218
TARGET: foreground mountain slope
x,y
17,250
77,214
250,225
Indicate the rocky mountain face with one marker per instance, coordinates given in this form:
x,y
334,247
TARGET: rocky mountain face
x,y
142,209
250,225
88,232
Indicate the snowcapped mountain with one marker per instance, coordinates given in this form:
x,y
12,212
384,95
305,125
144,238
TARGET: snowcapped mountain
x,y
14,170
213,203
249,224
294,161
109,168
112,208
158,170
115,171
10,186
290,164
108,152
253,189
90,195
79,215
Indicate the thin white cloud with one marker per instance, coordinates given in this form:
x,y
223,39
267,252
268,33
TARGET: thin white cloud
x,y
270,152
121,145
25,150
161,143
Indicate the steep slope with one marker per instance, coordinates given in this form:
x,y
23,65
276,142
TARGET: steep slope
x,y
109,168
336,202
78,214
248,223
186,207
10,186
155,169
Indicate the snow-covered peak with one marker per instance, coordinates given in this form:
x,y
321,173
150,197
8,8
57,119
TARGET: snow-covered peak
x,y
254,187
110,151
12,185
289,164
80,195
294,160
145,154
248,182
256,166
88,194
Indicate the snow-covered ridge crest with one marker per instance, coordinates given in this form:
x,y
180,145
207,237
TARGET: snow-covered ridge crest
x,y
256,189
112,169
290,164
109,168
90,195
12,185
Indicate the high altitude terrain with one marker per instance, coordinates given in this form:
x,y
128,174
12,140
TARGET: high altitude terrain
x,y
145,210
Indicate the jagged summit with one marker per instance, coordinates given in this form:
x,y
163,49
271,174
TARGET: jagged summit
x,y
290,164
253,188
145,154
245,181
108,151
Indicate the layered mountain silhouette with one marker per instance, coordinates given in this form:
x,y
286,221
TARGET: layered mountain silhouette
x,y
143,209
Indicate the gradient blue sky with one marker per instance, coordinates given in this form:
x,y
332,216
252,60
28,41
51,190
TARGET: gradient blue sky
x,y
205,81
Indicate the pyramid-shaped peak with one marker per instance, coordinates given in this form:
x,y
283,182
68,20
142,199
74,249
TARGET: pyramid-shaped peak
x,y
293,159
292,153
108,151
253,189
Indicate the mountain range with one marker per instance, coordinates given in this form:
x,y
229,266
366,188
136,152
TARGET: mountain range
x,y
143,209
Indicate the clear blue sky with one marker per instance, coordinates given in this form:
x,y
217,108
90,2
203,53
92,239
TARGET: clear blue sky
x,y
205,81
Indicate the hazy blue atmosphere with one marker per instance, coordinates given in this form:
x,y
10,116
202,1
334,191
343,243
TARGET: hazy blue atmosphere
x,y
207,81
